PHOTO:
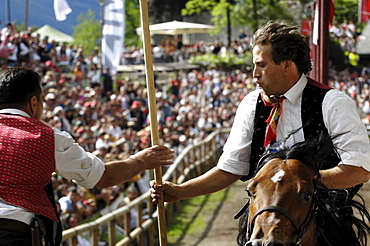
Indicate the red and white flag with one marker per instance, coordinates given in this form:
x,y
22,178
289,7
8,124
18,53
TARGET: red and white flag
x,y
363,11
61,9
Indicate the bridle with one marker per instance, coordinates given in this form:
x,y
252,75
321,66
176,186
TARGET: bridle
x,y
300,229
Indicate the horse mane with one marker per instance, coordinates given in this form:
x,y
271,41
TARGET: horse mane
x,y
316,152
313,152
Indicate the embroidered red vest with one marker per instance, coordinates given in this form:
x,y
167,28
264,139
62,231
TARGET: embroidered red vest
x,y
27,161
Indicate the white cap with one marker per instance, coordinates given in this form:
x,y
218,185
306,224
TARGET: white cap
x,y
57,109
50,96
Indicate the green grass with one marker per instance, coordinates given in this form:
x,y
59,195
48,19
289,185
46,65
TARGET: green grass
x,y
194,215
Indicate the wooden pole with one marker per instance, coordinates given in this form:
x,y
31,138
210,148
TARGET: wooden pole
x,y
320,51
324,40
152,112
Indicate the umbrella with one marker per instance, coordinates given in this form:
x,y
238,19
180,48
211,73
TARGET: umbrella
x,y
177,28
53,34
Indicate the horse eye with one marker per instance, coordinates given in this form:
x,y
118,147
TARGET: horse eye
x,y
249,193
307,196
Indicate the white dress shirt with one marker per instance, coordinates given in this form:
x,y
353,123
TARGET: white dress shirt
x,y
72,162
339,114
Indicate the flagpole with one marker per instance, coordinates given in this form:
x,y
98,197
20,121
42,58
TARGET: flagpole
x,y
101,36
324,40
26,15
152,112
8,18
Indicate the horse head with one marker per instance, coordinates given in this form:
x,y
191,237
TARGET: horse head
x,y
287,197
282,195
281,211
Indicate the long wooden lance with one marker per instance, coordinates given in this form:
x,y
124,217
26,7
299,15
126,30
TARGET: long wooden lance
x,y
152,112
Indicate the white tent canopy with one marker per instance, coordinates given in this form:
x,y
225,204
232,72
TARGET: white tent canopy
x,y
53,34
177,28
363,41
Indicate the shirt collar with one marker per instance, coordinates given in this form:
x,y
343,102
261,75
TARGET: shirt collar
x,y
14,111
295,92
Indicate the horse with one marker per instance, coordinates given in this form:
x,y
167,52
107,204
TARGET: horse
x,y
289,206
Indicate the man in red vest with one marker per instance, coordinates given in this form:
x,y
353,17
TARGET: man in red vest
x,y
30,151
281,58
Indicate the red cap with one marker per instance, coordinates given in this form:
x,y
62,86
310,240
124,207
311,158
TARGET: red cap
x,y
135,104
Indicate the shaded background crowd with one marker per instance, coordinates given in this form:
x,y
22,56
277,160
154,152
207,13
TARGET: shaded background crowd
x,y
108,114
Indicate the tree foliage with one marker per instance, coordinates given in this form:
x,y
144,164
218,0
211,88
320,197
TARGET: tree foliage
x,y
165,10
346,10
252,13
88,32
216,8
196,7
132,22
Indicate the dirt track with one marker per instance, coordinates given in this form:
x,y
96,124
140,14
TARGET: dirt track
x,y
221,228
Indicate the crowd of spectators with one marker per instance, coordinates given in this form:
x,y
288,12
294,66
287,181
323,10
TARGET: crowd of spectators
x,y
171,50
347,34
108,114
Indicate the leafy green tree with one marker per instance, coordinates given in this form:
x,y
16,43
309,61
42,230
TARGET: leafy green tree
x,y
132,22
257,12
165,10
346,10
239,13
221,10
88,32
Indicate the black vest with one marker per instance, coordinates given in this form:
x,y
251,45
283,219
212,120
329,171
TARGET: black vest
x,y
312,122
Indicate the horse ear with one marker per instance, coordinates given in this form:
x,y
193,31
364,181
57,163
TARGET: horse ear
x,y
249,193
242,210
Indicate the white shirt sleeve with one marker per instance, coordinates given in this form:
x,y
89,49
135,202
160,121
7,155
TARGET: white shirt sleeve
x,y
341,118
73,162
24,49
235,158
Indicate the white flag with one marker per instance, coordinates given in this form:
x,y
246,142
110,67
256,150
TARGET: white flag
x,y
315,33
113,33
61,9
